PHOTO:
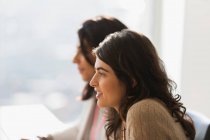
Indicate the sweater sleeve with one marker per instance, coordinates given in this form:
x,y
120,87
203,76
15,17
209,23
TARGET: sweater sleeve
x,y
150,120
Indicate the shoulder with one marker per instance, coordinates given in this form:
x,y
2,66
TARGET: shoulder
x,y
147,105
148,110
148,101
151,119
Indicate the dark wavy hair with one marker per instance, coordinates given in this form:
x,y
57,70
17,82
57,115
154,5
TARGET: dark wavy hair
x,y
93,31
133,57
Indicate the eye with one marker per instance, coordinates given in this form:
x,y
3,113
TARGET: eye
x,y
79,50
101,73
79,53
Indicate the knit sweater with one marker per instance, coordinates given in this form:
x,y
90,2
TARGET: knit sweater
x,y
149,119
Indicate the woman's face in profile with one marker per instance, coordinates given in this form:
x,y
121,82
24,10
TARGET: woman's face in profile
x,y
109,88
86,70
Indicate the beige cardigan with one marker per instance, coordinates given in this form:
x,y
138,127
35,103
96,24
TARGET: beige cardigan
x,y
149,119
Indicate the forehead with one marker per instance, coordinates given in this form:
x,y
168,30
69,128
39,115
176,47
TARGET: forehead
x,y
101,64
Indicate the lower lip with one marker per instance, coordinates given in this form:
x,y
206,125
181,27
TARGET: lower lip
x,y
98,95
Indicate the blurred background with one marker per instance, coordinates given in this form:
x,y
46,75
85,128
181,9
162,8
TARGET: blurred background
x,y
38,39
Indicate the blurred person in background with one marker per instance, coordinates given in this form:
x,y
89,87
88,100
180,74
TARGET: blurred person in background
x,y
91,124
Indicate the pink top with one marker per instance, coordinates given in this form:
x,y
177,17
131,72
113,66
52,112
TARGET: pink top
x,y
98,123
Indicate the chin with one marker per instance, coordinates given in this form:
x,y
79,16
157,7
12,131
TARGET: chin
x,y
101,105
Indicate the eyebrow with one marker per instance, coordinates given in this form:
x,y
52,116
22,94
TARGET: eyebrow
x,y
100,68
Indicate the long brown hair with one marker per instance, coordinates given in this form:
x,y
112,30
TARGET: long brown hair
x,y
93,31
133,57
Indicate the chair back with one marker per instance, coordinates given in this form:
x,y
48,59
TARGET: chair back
x,y
202,125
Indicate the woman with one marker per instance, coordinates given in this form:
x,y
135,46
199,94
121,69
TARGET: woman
x,y
131,81
90,126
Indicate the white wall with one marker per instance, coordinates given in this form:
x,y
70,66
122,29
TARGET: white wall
x,y
182,30
172,24
195,83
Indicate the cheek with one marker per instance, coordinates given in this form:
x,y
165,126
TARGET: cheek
x,y
83,60
87,70
113,92
108,86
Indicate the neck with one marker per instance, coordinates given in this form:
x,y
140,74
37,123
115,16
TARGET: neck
x,y
124,124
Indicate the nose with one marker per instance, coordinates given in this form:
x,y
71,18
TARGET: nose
x,y
93,81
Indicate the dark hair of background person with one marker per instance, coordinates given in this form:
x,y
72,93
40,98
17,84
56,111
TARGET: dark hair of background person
x,y
92,32
133,58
